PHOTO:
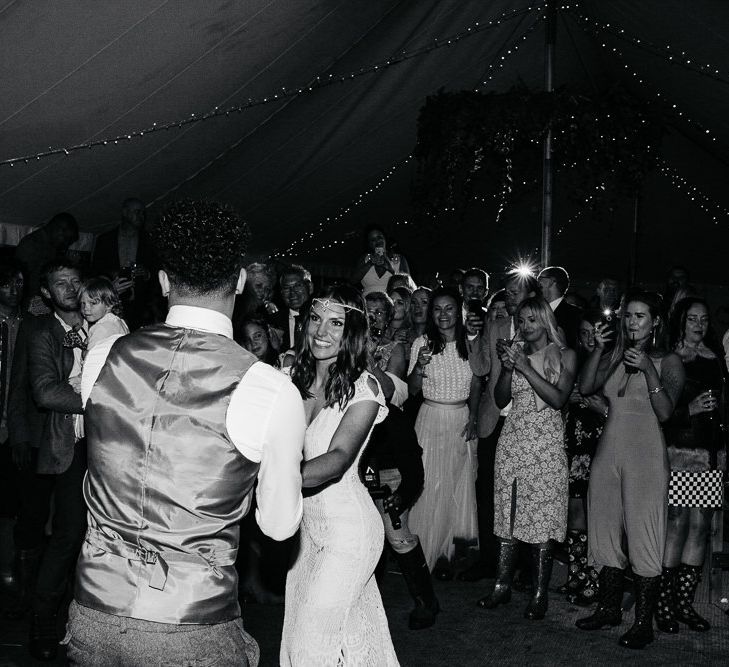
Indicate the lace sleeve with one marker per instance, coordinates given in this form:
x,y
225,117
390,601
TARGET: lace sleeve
x,y
367,388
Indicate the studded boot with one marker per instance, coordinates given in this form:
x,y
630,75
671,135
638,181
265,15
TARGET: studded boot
x,y
508,555
541,574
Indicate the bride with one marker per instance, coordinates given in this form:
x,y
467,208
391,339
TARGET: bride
x,y
334,613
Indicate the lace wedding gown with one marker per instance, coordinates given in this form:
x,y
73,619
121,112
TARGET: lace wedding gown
x,y
334,614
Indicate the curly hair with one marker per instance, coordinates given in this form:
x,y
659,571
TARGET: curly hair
x,y
351,360
201,245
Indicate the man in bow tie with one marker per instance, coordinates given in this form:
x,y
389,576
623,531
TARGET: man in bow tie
x,y
296,288
48,365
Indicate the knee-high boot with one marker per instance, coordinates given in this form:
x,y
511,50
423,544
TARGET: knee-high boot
x,y
417,577
646,594
687,581
666,604
541,573
610,598
508,554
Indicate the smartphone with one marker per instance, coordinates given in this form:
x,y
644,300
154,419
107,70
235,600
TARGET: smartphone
x,y
475,307
127,272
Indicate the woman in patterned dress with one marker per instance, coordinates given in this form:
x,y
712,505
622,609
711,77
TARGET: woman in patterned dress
x,y
446,430
697,458
530,472
334,614
584,422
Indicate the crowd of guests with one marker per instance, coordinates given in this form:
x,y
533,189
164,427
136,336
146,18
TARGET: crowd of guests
x,y
519,420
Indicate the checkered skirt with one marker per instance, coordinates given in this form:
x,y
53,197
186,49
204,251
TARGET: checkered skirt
x,y
696,489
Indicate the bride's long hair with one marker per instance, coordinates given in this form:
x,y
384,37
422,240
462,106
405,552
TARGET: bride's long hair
x,y
351,360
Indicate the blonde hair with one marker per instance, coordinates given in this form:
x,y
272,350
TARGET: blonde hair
x,y
545,317
102,289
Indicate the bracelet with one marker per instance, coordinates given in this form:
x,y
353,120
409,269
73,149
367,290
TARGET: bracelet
x,y
657,390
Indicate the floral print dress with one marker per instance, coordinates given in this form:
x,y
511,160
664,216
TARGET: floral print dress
x,y
581,434
530,470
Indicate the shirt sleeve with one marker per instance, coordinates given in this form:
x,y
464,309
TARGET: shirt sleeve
x,y
266,423
94,362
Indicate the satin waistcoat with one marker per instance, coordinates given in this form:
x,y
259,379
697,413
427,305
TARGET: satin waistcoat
x,y
166,488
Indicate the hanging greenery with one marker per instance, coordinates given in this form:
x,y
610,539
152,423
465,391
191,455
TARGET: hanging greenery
x,y
474,144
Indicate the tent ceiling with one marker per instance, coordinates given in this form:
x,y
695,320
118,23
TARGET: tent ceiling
x,y
83,71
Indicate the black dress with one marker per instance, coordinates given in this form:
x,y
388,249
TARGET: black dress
x,y
696,443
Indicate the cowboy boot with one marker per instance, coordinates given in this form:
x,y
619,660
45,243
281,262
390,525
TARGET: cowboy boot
x,y
646,594
610,597
508,554
665,606
417,577
541,573
687,581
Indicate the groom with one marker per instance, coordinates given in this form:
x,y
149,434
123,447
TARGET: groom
x,y
180,422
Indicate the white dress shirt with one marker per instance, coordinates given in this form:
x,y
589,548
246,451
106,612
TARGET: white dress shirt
x,y
293,314
265,421
553,304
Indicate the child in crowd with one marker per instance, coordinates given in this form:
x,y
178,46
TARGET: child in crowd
x,y
100,307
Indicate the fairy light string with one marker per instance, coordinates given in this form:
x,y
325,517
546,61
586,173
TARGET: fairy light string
x,y
496,65
598,34
284,92
694,194
671,55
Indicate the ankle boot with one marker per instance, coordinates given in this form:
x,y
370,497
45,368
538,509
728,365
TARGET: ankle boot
x,y
646,594
665,606
610,597
541,573
508,554
687,581
417,577
26,566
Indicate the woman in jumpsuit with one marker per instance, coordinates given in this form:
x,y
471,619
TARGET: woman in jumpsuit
x,y
629,476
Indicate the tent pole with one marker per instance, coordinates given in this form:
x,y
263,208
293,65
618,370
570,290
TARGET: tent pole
x,y
634,241
547,166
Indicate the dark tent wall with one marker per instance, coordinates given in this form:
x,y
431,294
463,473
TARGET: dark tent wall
x,y
316,166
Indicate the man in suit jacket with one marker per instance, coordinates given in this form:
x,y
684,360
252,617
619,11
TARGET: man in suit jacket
x,y
554,282
296,288
54,367
128,247
484,360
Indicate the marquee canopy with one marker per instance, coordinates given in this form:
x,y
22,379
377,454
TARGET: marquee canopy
x,y
302,115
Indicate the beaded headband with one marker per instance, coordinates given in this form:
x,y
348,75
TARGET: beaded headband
x,y
326,303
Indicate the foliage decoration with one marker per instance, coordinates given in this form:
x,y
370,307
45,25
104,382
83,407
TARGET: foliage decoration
x,y
474,145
